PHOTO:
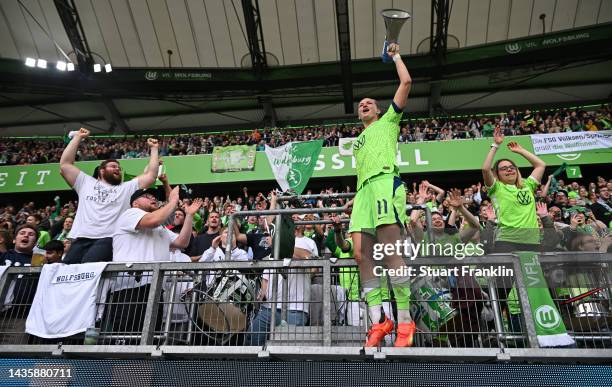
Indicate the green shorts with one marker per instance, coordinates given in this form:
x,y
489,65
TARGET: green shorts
x,y
381,200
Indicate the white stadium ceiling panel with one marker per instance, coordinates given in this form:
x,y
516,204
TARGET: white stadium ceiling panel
x,y
212,33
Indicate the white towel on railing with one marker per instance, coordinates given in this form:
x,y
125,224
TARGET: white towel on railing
x,y
65,300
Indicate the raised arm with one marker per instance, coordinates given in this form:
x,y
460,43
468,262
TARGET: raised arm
x,y
401,95
185,235
456,201
159,216
439,191
547,186
146,179
415,222
67,168
339,235
487,174
539,166
273,199
240,237
164,179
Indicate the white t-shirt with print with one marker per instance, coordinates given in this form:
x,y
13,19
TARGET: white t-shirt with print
x,y
100,205
144,245
298,284
132,245
65,300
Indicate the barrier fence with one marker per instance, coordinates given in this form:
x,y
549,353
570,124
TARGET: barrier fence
x,y
227,307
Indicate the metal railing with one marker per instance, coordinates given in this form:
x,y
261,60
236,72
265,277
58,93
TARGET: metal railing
x,y
224,307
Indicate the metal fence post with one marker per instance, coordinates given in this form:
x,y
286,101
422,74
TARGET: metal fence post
x,y
150,319
327,331
170,308
230,237
277,236
497,316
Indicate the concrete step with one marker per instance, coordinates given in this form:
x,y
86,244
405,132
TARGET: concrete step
x,y
313,335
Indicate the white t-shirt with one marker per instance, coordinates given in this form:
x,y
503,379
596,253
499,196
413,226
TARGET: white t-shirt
x,y
298,285
144,245
65,300
100,205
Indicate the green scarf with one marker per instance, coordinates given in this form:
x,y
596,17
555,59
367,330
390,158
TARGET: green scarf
x,y
549,325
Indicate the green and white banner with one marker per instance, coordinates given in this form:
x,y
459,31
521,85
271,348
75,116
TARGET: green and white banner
x,y
293,163
233,158
571,142
549,325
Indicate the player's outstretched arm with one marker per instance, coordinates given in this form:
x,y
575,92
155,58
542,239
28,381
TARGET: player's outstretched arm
x,y
401,95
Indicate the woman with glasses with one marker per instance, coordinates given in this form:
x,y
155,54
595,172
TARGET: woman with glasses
x,y
513,197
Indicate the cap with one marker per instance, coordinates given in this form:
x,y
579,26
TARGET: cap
x,y
572,195
142,192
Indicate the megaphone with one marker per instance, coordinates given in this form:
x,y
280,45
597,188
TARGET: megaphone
x,y
394,20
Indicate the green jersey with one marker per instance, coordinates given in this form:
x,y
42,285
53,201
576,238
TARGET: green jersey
x,y
516,211
375,149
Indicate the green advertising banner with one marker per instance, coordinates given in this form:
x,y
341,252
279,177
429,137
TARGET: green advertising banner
x,y
233,158
429,156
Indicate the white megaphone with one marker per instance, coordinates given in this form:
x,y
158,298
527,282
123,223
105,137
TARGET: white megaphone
x,y
394,20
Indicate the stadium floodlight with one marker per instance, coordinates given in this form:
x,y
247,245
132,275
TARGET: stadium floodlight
x,y
41,63
108,68
30,62
60,65
70,66
97,68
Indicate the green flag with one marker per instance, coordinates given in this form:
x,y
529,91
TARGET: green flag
x,y
554,185
573,172
293,163
549,325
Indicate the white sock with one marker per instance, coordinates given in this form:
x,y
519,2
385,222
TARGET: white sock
x,y
375,313
388,309
403,316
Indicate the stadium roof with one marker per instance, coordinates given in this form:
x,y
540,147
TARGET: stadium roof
x,y
303,75
212,33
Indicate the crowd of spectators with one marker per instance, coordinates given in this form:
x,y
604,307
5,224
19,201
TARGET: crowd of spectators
x,y
579,207
129,221
15,151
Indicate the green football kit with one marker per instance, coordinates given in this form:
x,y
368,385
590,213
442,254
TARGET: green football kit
x,y
381,195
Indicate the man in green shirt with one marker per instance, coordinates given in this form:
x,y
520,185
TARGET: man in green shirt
x,y
379,208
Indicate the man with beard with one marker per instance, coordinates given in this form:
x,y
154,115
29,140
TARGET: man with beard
x,y
102,199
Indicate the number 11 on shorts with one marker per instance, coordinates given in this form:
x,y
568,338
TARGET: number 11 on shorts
x,y
382,205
